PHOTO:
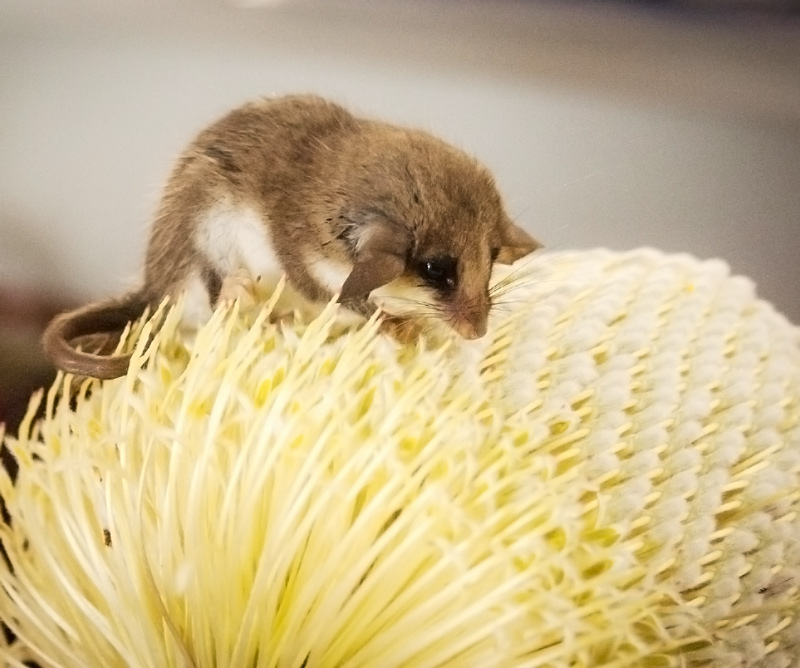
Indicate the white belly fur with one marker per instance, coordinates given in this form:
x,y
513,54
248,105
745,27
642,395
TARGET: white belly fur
x,y
235,239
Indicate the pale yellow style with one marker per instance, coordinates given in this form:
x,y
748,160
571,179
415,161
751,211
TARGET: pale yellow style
x,y
610,478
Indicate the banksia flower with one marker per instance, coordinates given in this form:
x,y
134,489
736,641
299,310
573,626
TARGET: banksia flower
x,y
609,478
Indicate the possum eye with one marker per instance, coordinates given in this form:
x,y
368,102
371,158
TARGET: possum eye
x,y
439,272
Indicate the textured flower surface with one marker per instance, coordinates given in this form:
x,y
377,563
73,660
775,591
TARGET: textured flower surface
x,y
611,477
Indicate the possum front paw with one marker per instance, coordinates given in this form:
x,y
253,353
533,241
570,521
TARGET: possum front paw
x,y
239,285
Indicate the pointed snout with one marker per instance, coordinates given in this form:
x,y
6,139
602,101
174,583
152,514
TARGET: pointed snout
x,y
470,316
470,328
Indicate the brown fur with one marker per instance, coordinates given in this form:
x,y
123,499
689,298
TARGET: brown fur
x,y
326,183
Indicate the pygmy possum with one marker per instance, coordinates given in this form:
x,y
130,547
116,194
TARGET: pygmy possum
x,y
386,217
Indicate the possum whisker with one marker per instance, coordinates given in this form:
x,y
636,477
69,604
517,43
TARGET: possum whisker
x,y
510,302
432,307
415,302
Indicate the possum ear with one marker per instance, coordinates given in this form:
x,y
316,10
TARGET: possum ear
x,y
381,251
515,243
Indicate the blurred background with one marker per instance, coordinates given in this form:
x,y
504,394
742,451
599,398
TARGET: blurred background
x,y
618,124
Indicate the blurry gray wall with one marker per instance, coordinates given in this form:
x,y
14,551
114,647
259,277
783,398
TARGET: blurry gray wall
x,y
606,125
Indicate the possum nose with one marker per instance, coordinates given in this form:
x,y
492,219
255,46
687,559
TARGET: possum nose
x,y
471,327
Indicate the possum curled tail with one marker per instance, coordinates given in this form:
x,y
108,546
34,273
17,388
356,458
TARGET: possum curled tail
x,y
104,317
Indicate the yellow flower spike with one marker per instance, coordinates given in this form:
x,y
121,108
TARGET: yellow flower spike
x,y
280,494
